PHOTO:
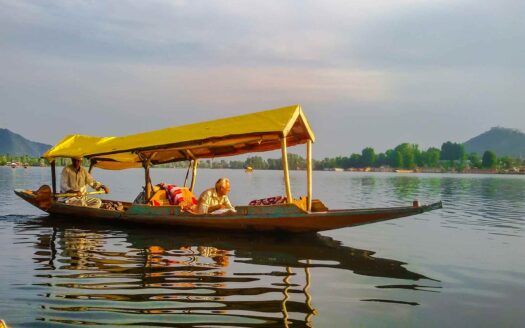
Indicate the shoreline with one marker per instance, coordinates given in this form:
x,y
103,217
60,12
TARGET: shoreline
x,y
338,170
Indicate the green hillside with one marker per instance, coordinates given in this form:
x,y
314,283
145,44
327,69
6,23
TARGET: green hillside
x,y
502,141
16,145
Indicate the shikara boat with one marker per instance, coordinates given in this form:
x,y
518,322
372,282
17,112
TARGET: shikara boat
x,y
257,132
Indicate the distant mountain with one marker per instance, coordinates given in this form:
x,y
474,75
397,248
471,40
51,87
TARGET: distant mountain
x,y
16,145
502,141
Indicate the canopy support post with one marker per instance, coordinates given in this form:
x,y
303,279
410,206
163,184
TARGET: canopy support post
x,y
187,172
309,175
91,166
286,172
146,165
53,177
194,174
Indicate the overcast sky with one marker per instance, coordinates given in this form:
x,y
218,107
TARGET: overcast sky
x,y
367,73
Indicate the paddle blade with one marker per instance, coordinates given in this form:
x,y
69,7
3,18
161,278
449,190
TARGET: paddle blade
x,y
44,197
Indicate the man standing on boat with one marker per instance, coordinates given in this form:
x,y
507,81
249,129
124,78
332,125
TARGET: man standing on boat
x,y
216,199
75,179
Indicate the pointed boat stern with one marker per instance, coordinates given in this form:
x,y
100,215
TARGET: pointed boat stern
x,y
41,198
431,207
335,219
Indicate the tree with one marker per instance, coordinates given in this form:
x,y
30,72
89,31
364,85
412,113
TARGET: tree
x,y
236,164
390,158
398,159
296,162
430,157
276,164
327,163
475,161
368,156
355,160
256,162
408,154
506,162
342,161
451,151
380,160
489,160
317,165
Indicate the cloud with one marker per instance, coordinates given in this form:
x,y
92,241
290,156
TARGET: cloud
x,y
452,35
276,33
368,73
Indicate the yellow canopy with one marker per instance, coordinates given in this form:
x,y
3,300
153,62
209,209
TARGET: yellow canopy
x,y
256,132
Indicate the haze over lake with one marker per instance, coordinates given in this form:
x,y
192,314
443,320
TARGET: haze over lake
x,y
462,265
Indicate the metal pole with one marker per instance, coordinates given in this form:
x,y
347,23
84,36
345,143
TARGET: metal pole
x,y
286,173
309,175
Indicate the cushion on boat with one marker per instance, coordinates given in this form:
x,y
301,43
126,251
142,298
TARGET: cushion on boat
x,y
181,196
159,198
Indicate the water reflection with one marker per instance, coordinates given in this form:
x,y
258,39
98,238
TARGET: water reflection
x,y
95,275
60,272
405,186
494,203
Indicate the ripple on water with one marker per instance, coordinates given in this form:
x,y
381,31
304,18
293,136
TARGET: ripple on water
x,y
89,275
61,272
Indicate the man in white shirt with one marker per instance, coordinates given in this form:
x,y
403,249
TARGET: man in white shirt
x,y
75,179
216,199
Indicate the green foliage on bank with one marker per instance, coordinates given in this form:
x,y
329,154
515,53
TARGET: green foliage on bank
x,y
31,161
450,157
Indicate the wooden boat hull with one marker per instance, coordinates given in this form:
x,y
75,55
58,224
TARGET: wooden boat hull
x,y
283,217
286,217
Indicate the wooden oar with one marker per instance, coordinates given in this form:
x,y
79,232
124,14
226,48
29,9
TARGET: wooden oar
x,y
72,194
44,196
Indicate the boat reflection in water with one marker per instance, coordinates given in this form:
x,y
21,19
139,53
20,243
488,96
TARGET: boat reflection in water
x,y
96,276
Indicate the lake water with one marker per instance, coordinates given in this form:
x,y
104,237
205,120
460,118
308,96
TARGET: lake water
x,y
461,266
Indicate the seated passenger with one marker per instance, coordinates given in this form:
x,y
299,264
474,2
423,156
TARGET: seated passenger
x,y
216,199
75,179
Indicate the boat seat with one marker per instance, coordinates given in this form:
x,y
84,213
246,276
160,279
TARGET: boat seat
x,y
317,205
301,203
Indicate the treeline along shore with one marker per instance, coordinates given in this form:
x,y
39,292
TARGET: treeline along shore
x,y
406,157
